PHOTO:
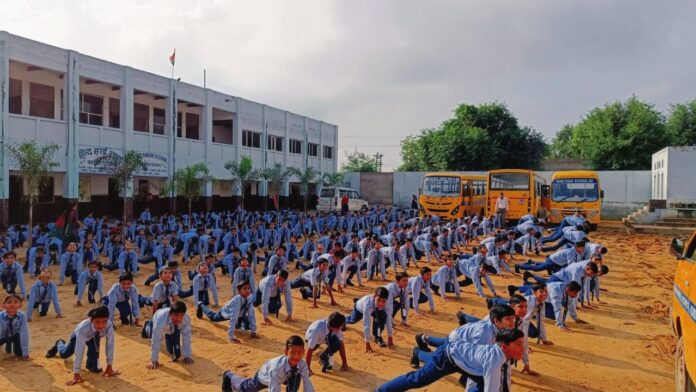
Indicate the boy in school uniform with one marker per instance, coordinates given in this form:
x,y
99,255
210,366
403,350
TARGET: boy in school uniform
x,y
486,366
445,280
239,311
91,280
556,261
41,295
289,369
70,264
351,265
419,289
316,278
474,270
367,308
398,300
326,331
268,296
243,274
88,333
37,261
165,292
202,283
560,303
14,328
124,297
11,274
172,325
277,262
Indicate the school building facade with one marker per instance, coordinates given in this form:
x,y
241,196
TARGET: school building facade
x,y
89,106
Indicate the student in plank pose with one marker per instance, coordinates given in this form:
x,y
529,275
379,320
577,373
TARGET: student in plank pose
x,y
326,331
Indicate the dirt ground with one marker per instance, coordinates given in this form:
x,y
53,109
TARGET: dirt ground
x,y
627,345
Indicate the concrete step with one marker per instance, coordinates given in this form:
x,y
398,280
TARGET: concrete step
x,y
676,224
677,220
666,230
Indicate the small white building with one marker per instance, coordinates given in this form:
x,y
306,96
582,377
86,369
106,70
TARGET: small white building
x,y
673,173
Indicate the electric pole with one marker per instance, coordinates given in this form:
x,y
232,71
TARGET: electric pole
x,y
378,161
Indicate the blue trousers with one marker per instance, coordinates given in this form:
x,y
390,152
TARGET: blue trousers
x,y
378,322
213,316
422,298
274,303
333,344
437,367
172,341
253,384
124,310
557,235
540,266
12,344
67,350
43,307
559,244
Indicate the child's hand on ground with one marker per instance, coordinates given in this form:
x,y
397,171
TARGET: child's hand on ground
x,y
110,372
76,380
267,321
368,348
254,335
235,340
289,319
188,361
153,365
345,368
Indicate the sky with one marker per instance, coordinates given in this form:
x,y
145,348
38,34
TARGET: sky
x,y
384,70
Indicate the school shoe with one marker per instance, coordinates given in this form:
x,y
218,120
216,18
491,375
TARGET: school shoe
x,y
95,370
511,289
461,317
199,311
415,362
324,362
517,268
527,275
422,343
380,341
305,294
54,350
226,381
349,283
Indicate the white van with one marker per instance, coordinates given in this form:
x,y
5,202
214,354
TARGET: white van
x,y
330,199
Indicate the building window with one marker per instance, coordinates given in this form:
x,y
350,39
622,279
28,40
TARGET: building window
x,y
41,100
275,143
141,117
15,96
223,131
192,126
114,113
328,152
158,120
179,123
91,109
295,146
46,190
312,149
251,139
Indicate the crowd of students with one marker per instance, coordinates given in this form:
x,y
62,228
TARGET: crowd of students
x,y
330,252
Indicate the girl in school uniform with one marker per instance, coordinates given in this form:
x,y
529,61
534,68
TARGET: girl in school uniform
x,y
88,332
14,329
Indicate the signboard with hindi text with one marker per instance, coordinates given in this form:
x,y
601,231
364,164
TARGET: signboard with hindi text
x,y
157,164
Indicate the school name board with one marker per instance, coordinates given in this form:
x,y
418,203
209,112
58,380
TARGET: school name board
x,y
156,163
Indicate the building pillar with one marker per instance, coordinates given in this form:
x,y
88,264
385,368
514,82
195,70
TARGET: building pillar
x,y
126,111
71,180
170,126
4,121
207,120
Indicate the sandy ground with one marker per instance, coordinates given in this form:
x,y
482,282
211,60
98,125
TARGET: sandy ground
x,y
627,346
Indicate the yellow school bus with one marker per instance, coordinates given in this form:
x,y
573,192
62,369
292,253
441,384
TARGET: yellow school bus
x,y
452,195
522,188
577,190
683,313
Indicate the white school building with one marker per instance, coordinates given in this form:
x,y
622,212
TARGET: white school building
x,y
89,106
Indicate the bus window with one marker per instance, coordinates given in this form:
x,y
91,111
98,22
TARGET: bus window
x,y
509,181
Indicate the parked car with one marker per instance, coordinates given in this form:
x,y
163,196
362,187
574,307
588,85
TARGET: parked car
x,y
330,199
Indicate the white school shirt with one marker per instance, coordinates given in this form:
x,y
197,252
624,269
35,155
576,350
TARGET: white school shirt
x,y
318,332
274,372
162,325
84,332
366,305
485,361
415,285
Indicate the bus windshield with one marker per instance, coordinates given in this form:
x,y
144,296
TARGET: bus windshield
x,y
509,181
575,189
441,186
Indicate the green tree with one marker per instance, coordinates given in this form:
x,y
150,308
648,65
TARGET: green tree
x,y
242,172
122,169
481,137
560,147
188,181
332,179
359,162
620,135
34,162
276,176
306,176
681,125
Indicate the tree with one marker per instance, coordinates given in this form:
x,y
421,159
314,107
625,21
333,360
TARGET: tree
x,y
243,173
681,125
477,138
308,176
620,135
188,182
359,162
332,179
122,169
34,162
277,175
560,147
